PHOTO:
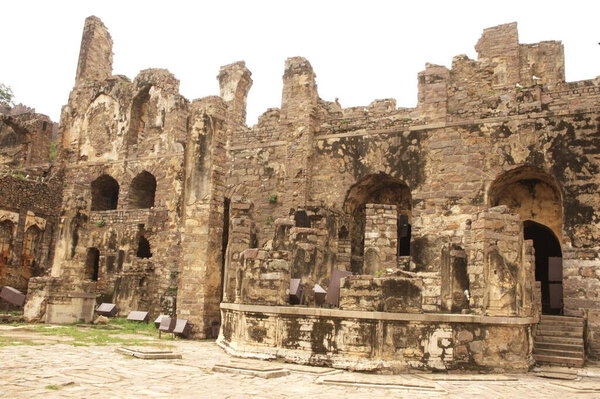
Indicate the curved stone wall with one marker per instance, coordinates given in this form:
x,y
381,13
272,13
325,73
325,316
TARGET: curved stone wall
x,y
377,341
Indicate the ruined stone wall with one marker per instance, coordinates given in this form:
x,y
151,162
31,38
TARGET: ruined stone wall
x,y
25,140
504,129
29,216
123,147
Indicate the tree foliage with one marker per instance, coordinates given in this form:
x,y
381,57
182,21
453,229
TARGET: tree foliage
x,y
6,95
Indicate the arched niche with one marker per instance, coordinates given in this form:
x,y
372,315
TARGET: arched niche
x,y
105,193
138,117
377,188
100,126
7,229
29,255
142,191
531,193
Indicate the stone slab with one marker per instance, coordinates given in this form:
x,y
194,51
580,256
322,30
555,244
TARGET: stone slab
x,y
388,382
273,372
149,354
467,377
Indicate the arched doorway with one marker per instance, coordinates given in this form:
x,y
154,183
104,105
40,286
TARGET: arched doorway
x,y
548,265
535,195
384,189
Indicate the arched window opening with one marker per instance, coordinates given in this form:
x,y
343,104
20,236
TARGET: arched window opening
x,y
92,264
139,116
377,189
7,229
548,265
142,191
143,250
105,193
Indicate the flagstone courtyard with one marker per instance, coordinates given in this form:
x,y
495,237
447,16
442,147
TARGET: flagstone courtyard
x,y
76,362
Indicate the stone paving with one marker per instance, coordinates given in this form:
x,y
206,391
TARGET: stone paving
x,y
61,370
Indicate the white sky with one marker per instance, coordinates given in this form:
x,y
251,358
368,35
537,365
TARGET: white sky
x,y
360,50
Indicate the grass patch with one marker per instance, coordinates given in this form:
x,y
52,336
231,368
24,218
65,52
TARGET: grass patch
x,y
118,331
12,341
52,387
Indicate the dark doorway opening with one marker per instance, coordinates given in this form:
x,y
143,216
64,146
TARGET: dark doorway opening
x,y
224,242
143,250
404,231
548,265
92,264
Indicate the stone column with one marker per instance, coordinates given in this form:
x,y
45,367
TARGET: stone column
x,y
381,237
199,287
495,263
298,124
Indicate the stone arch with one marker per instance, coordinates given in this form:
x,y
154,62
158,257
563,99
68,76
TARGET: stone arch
x,y
377,188
142,191
138,118
105,193
532,193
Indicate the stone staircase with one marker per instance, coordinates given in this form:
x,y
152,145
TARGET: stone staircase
x,y
559,341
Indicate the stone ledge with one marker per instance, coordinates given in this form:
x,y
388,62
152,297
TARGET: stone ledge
x,y
352,314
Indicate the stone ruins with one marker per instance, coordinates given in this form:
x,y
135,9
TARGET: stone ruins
x,y
366,238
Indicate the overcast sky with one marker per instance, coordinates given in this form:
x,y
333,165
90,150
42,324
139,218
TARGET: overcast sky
x,y
360,50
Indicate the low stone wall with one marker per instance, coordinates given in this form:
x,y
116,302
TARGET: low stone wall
x,y
377,341
54,300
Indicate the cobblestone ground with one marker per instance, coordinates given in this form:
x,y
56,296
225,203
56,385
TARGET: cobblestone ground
x,y
56,369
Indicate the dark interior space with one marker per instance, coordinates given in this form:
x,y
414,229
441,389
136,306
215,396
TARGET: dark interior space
x,y
546,245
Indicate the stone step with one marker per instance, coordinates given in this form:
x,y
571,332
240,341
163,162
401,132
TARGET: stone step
x,y
565,320
560,327
560,324
560,353
559,333
559,340
559,347
559,360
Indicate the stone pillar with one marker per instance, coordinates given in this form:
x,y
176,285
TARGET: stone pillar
x,y
241,230
298,124
199,287
263,279
433,92
95,54
381,237
235,82
498,273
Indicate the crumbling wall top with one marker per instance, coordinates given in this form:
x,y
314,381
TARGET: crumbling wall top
x,y
95,54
